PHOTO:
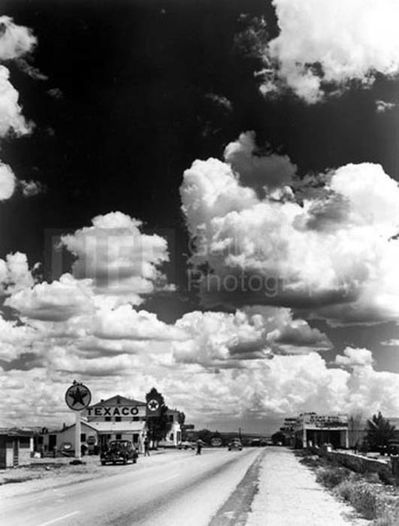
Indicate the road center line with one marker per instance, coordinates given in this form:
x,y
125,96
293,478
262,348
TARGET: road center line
x,y
59,518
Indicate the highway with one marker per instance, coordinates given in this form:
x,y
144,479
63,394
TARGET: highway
x,y
172,489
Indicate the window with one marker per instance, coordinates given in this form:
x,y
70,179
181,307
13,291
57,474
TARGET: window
x,y
136,418
171,436
108,419
118,419
83,437
118,436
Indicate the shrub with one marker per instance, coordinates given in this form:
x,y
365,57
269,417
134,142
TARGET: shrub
x,y
331,477
362,495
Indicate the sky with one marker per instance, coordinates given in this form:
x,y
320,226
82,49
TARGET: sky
x,y
200,196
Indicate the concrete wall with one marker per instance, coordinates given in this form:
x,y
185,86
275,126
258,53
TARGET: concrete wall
x,y
359,463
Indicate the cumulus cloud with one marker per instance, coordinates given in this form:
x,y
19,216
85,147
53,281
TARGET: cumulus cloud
x,y
332,250
14,339
262,390
121,260
11,118
323,46
7,182
15,40
31,188
56,301
354,357
125,322
382,106
261,172
15,274
219,339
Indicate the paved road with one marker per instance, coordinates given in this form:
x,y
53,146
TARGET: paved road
x,y
175,489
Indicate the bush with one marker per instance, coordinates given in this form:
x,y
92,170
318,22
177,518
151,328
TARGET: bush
x,y
331,477
362,495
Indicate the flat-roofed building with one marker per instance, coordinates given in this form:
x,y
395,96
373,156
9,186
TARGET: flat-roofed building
x,y
312,429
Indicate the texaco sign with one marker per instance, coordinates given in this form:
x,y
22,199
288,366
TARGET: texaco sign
x,y
78,397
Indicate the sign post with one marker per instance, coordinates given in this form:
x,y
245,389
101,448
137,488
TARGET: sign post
x,y
77,398
78,446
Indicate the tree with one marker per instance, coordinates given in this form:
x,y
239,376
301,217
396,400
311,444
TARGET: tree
x,y
205,435
157,426
379,431
181,418
278,437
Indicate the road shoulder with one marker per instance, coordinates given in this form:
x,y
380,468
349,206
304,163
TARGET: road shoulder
x,y
289,494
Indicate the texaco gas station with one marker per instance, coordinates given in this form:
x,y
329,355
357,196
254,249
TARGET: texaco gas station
x,y
116,418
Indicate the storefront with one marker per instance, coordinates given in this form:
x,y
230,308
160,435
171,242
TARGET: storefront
x,y
315,430
118,418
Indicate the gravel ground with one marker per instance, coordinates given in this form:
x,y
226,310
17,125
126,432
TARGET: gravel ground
x,y
288,495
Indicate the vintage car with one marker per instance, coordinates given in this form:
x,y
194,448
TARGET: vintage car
x,y
235,444
119,451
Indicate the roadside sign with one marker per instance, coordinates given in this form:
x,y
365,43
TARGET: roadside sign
x,y
154,406
78,397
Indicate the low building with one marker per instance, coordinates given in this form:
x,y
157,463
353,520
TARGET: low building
x,y
312,429
118,418
16,447
174,435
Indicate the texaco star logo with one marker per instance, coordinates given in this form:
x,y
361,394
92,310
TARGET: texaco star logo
x,y
153,405
78,397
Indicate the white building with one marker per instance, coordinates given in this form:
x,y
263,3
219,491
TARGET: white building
x,y
314,429
112,419
118,418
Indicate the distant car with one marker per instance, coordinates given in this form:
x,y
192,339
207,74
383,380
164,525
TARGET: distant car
x,y
255,442
235,444
186,444
393,448
119,451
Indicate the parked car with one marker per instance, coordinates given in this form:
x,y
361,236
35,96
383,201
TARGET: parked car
x,y
119,451
235,444
186,444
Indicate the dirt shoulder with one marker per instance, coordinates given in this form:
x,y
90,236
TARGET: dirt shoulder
x,y
289,494
45,473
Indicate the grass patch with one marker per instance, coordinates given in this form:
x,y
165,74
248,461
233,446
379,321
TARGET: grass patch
x,y
363,491
333,476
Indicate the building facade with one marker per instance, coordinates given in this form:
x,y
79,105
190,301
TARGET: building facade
x,y
117,418
312,429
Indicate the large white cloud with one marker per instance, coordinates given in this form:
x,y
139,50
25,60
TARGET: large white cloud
x,y
126,323
7,182
354,357
15,40
15,274
219,339
11,118
325,45
121,260
57,301
263,390
261,172
333,250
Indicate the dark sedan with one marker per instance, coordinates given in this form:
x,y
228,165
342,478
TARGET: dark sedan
x,y
119,451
